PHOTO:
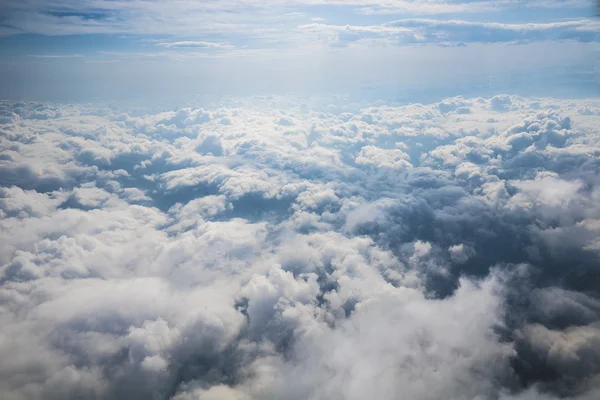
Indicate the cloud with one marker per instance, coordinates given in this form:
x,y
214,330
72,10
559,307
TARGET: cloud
x,y
444,32
500,103
57,56
361,355
102,61
300,250
460,253
191,19
394,158
193,44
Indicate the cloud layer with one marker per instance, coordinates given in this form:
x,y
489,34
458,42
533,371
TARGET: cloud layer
x,y
273,248
455,32
53,17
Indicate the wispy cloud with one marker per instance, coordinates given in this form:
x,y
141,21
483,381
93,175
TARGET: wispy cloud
x,y
102,61
57,55
189,18
194,44
422,31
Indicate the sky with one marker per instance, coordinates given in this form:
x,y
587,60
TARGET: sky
x,y
98,50
299,199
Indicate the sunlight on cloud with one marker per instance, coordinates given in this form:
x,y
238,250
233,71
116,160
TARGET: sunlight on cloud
x,y
252,251
302,199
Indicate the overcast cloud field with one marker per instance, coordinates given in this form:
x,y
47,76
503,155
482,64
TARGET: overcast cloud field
x,y
299,200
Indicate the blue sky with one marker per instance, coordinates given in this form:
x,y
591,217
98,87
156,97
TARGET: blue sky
x,y
63,50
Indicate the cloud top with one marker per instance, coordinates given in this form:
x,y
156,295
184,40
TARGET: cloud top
x,y
271,248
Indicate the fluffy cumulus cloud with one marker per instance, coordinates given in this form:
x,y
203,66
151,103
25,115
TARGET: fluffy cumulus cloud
x,y
272,248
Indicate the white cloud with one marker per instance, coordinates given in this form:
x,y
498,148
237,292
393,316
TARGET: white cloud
x,y
57,56
392,158
546,189
193,19
349,252
445,32
192,44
